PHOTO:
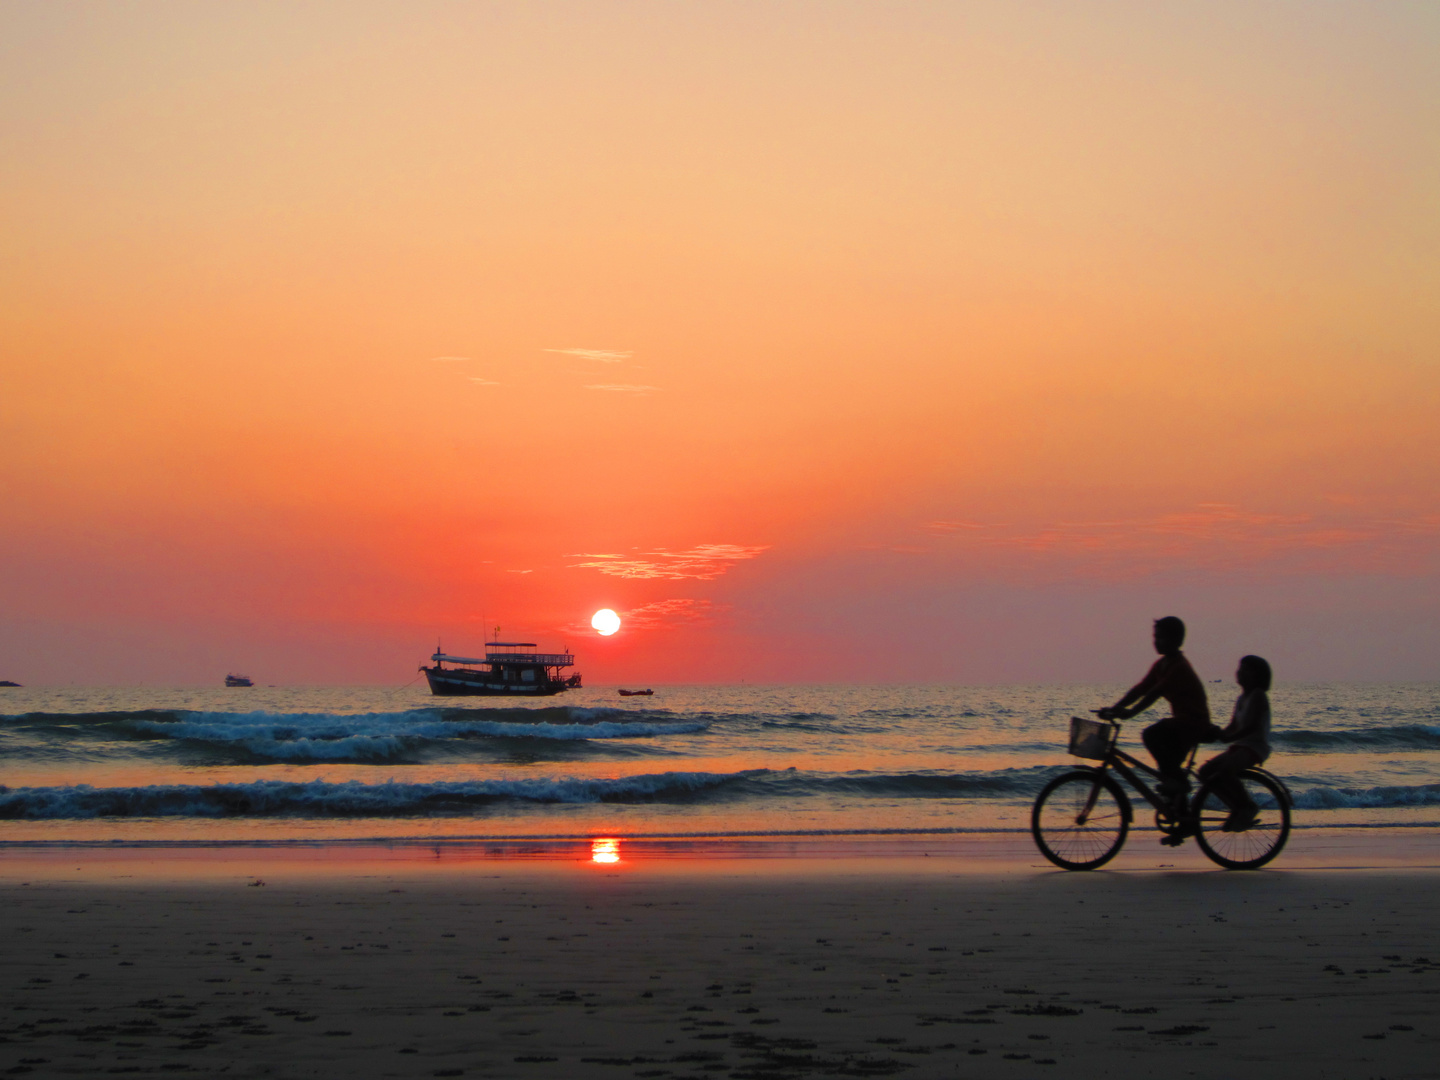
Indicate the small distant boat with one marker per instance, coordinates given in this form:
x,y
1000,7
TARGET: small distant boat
x,y
239,680
508,667
7,682
636,693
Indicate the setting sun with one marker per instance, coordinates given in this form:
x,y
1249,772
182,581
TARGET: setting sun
x,y
605,621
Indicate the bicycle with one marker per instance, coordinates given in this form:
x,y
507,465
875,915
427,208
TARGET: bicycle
x,y
1081,818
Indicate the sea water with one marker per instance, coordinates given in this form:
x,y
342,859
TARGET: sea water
x,y
343,763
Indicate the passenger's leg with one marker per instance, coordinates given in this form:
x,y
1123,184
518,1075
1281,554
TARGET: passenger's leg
x,y
1222,773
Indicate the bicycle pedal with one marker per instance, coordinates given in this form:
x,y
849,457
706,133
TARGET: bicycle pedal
x,y
1173,841
1244,824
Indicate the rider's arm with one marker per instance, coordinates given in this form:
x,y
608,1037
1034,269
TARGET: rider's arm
x,y
1140,696
1124,709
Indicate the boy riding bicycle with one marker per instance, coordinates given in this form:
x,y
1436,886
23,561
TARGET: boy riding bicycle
x,y
1169,740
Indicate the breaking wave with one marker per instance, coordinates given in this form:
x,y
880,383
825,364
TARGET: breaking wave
x,y
1401,737
919,785
1374,798
372,737
392,798
320,798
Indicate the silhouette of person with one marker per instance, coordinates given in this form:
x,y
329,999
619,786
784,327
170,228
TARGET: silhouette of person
x,y
1248,734
1172,678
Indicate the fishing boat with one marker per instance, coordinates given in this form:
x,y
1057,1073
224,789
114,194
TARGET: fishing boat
x,y
239,680
636,693
508,667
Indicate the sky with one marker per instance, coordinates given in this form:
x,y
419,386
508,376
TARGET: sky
x,y
825,342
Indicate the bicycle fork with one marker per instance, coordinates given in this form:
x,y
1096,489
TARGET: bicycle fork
x,y
1085,811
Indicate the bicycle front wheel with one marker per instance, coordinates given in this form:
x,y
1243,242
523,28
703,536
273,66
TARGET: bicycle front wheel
x,y
1223,828
1080,820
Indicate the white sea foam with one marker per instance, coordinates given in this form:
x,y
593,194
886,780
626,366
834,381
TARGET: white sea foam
x,y
371,736
1394,796
320,798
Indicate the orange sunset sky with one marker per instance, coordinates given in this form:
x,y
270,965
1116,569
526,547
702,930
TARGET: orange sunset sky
x,y
854,342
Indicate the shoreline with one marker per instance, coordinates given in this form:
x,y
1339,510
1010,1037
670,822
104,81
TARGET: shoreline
x,y
703,835
1013,852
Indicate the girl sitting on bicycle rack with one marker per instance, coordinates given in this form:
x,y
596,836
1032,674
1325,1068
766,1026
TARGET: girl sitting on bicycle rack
x,y
1248,734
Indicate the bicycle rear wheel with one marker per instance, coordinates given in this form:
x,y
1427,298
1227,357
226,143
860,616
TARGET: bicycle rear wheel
x,y
1080,820
1260,841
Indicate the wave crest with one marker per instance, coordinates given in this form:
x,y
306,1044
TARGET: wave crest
x,y
1399,737
320,798
379,736
1375,798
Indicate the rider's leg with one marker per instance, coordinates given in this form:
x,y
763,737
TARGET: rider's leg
x,y
1168,744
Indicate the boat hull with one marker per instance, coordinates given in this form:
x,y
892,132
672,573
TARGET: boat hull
x,y
458,683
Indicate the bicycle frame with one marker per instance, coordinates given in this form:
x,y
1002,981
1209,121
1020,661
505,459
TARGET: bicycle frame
x,y
1124,765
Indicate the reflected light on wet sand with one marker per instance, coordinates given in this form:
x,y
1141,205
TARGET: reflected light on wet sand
x,y
605,851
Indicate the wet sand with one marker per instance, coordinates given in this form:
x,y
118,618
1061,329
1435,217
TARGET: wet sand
x,y
951,965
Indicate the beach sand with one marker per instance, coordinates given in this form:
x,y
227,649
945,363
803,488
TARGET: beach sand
x,y
967,962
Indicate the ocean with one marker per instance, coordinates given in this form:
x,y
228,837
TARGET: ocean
x,y
270,764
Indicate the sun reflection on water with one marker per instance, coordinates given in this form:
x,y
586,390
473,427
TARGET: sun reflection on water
x,y
605,851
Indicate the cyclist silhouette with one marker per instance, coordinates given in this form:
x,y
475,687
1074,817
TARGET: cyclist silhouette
x,y
1169,740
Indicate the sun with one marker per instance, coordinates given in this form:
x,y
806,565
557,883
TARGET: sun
x,y
605,621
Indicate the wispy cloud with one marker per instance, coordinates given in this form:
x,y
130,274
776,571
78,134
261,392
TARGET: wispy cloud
x,y
667,614
449,359
702,563
952,526
484,382
661,615
1217,537
605,356
624,388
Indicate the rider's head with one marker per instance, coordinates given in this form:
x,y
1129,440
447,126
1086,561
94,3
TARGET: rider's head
x,y
1169,635
1253,673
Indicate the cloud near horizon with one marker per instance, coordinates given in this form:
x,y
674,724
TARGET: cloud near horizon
x,y
1216,537
702,563
605,356
668,614
953,526
624,388
671,614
